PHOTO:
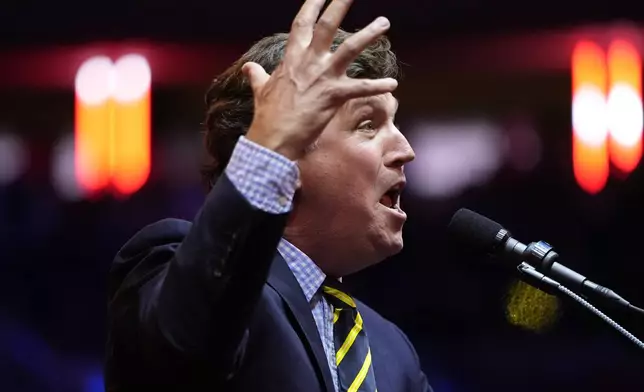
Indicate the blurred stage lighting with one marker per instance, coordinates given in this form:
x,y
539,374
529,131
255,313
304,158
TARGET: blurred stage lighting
x,y
63,176
607,114
589,121
523,145
113,147
452,156
94,382
624,106
530,308
13,158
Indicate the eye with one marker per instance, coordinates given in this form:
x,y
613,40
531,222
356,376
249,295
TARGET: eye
x,y
367,125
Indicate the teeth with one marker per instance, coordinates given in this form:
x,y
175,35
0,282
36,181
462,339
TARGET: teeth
x,y
393,201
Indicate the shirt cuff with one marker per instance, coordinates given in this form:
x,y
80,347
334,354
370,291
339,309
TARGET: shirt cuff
x,y
265,178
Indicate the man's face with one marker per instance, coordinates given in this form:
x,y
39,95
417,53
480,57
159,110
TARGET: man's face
x,y
347,213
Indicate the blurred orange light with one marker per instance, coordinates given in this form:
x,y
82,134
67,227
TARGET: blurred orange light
x,y
624,105
590,128
92,118
131,159
113,124
131,149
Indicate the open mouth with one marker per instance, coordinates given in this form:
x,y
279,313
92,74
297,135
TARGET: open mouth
x,y
391,198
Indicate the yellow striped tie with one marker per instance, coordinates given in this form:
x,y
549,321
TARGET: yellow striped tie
x,y
353,355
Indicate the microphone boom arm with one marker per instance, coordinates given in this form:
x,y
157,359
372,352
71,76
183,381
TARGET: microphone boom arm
x,y
543,258
529,271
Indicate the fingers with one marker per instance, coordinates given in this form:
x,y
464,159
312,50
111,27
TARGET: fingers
x,y
349,88
355,44
302,27
256,75
328,25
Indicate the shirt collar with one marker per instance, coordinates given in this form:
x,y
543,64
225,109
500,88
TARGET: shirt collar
x,y
308,274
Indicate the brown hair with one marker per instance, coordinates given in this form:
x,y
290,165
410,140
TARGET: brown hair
x,y
229,98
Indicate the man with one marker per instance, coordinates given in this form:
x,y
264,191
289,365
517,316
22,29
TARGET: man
x,y
307,169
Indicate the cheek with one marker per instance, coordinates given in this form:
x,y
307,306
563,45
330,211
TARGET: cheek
x,y
346,176
363,173
356,181
322,181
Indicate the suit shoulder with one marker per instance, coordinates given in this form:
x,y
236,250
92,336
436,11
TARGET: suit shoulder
x,y
369,314
163,232
394,336
383,324
150,247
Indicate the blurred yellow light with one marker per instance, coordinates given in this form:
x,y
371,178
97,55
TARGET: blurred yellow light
x,y
531,308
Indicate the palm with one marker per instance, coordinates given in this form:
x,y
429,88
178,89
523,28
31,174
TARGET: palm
x,y
296,102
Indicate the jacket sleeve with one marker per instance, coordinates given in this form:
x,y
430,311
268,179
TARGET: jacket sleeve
x,y
181,295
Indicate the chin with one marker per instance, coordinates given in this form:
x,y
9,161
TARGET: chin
x,y
390,246
371,255
395,248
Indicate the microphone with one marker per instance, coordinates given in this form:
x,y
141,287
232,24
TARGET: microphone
x,y
488,237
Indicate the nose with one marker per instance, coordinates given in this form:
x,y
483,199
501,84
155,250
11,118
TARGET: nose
x,y
400,151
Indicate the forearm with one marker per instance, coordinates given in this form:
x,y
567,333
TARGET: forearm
x,y
213,283
218,271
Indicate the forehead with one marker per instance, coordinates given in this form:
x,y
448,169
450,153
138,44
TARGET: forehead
x,y
385,102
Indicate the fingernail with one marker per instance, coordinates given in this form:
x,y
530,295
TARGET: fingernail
x,y
382,22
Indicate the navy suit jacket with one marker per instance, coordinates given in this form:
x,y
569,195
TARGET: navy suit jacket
x,y
212,306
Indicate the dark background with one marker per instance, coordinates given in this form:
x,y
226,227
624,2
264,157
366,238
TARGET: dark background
x,y
466,62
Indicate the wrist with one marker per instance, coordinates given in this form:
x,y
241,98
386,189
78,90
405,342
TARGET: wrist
x,y
275,144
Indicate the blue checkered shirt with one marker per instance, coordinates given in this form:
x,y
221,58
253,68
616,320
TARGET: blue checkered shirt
x,y
268,181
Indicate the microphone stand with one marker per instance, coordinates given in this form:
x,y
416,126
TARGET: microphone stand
x,y
549,285
636,309
541,256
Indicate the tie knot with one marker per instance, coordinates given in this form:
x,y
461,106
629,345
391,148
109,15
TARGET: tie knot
x,y
337,297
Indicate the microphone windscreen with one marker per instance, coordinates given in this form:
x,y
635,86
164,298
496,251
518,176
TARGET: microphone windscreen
x,y
470,229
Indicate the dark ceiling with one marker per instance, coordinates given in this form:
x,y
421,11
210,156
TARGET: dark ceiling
x,y
36,22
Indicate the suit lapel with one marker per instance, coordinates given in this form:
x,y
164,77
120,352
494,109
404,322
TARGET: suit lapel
x,y
282,280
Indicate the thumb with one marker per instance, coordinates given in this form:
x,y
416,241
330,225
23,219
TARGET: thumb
x,y
256,74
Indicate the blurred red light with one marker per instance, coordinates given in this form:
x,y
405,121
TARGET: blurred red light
x,y
590,130
624,105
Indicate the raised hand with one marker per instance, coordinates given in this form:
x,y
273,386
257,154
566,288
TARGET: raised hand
x,y
294,104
